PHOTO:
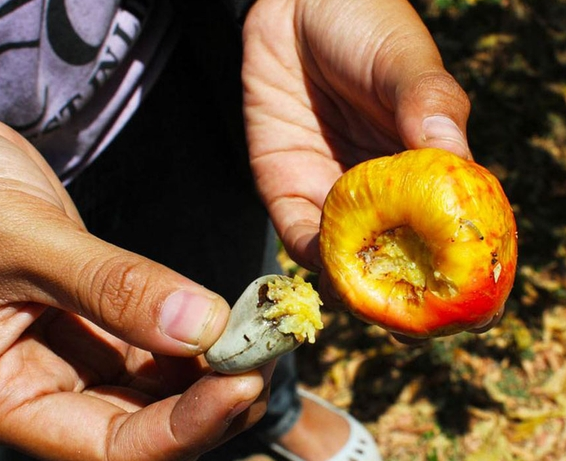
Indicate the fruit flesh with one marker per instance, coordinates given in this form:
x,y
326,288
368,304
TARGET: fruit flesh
x,y
296,308
422,243
402,259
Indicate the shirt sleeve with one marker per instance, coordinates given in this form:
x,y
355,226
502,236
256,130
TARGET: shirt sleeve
x,y
239,9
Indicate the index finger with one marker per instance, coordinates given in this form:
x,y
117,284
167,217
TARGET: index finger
x,y
183,426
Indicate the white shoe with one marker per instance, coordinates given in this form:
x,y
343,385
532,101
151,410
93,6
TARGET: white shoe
x,y
360,446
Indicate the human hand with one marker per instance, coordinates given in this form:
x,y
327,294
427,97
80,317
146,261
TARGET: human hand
x,y
328,84
80,320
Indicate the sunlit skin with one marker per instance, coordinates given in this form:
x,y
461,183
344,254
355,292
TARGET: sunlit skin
x,y
422,243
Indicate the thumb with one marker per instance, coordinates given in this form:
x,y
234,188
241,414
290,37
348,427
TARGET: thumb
x,y
47,258
432,112
55,262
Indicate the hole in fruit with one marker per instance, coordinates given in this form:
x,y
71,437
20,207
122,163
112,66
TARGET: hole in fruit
x,y
401,258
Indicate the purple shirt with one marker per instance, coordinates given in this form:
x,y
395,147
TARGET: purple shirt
x,y
73,71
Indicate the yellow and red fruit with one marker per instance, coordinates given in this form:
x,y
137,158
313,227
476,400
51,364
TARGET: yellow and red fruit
x,y
422,243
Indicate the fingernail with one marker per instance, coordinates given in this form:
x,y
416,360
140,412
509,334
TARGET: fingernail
x,y
442,132
240,407
187,316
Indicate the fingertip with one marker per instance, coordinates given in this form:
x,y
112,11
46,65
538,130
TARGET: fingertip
x,y
331,299
209,412
408,340
489,324
248,387
440,131
301,241
432,111
197,319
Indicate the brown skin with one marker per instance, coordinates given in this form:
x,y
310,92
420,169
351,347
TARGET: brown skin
x,y
361,78
70,386
318,99
340,82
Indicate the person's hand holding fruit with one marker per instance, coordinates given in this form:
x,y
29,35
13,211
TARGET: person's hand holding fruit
x,y
341,83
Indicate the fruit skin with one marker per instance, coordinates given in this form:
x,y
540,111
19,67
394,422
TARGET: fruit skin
x,y
458,260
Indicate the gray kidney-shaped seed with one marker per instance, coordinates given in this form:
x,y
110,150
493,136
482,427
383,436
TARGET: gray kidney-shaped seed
x,y
250,340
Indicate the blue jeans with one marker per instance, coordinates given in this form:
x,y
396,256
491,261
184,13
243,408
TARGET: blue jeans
x,y
175,186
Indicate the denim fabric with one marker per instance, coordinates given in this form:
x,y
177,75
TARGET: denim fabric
x,y
284,406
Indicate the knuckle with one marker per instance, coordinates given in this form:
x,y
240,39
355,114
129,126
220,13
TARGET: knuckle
x,y
114,291
442,87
